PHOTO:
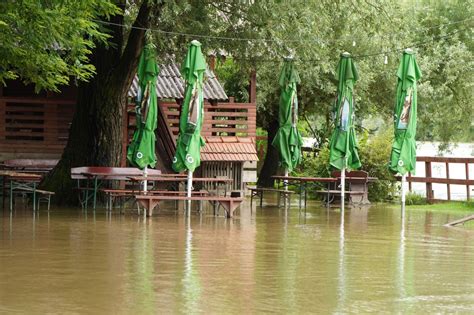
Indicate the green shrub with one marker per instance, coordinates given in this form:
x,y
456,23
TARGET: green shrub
x,y
469,203
314,166
412,198
374,153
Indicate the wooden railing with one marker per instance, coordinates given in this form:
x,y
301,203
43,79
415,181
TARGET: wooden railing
x,y
41,125
33,125
448,180
221,119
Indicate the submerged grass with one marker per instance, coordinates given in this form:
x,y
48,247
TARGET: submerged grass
x,y
445,207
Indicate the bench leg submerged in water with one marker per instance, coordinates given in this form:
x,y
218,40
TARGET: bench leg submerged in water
x,y
150,204
286,195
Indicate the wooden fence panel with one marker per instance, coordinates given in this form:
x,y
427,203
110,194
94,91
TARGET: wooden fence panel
x,y
34,125
221,119
429,180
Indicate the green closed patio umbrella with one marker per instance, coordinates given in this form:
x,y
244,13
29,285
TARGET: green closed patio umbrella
x,y
288,140
188,146
403,155
141,151
343,145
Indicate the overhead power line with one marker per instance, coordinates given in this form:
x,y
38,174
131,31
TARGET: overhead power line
x,y
358,56
315,39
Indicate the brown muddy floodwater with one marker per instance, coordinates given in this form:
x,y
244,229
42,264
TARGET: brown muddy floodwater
x,y
367,261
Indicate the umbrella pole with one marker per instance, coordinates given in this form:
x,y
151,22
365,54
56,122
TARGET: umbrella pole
x,y
404,178
285,183
343,187
188,193
145,182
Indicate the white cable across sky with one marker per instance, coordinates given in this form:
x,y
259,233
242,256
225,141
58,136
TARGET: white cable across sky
x,y
316,40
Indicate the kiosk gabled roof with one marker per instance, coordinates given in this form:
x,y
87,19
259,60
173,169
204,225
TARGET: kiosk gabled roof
x,y
170,84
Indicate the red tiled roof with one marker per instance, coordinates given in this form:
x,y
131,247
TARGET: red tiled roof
x,y
229,149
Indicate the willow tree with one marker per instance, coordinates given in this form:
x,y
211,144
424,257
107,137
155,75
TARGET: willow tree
x,y
315,33
96,130
96,43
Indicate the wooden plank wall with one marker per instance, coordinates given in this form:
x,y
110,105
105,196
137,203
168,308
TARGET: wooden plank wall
x,y
41,125
34,125
221,119
225,169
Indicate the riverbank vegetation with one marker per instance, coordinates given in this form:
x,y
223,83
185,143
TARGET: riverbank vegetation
x,y
451,206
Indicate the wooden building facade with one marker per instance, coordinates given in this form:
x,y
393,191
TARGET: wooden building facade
x,y
36,126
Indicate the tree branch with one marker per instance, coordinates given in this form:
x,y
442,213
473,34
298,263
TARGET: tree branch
x,y
136,41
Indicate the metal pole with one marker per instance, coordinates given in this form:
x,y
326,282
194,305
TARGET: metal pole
x,y
145,182
404,178
188,194
285,183
343,187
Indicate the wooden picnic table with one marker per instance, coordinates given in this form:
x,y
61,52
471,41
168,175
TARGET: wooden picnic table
x,y
302,182
358,184
100,173
18,181
149,202
161,178
29,165
230,204
181,179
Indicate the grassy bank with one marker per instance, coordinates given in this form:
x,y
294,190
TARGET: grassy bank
x,y
451,206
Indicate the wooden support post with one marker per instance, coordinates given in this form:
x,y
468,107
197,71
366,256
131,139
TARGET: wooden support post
x,y
212,62
123,160
409,182
2,120
448,186
429,185
253,86
468,193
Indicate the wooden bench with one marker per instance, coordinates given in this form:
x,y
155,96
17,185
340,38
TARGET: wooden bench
x,y
113,194
99,173
259,191
29,165
113,173
45,195
149,202
358,187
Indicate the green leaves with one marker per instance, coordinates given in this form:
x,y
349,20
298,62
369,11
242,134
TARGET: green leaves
x,y
48,43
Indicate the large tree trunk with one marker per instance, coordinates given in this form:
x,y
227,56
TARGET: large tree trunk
x,y
270,165
95,135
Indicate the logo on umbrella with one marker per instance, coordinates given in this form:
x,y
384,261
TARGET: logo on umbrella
x,y
139,155
189,158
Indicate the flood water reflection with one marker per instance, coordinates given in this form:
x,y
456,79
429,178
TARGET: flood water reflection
x,y
270,260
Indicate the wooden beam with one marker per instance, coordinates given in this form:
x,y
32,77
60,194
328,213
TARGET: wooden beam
x,y
444,159
468,191
440,180
429,186
448,186
253,87
465,219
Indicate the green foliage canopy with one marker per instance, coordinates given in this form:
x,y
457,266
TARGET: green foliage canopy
x,y
48,42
